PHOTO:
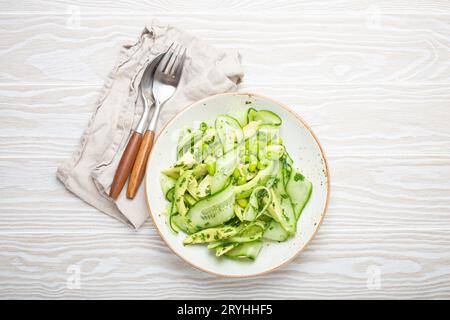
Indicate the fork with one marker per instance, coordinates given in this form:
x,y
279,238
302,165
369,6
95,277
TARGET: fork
x,y
130,153
165,82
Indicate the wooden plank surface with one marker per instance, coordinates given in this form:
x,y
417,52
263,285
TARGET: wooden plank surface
x,y
413,264
372,78
338,49
233,6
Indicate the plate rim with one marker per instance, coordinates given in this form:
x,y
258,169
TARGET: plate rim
x,y
327,174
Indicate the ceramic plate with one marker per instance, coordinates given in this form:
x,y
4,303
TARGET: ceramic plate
x,y
303,147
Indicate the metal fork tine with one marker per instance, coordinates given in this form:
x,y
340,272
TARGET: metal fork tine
x,y
176,62
165,59
173,59
179,67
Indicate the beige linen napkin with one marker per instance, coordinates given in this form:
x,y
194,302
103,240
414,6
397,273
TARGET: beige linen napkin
x,y
88,173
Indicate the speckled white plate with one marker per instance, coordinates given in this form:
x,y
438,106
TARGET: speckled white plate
x,y
303,147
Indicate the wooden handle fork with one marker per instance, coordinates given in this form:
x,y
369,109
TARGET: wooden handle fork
x,y
125,164
137,174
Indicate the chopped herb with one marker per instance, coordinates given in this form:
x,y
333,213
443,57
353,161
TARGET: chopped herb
x,y
203,126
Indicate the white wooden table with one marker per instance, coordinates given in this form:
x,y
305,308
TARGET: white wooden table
x,y
372,78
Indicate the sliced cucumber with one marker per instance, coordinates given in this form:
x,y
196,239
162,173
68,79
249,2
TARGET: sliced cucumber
x,y
192,188
180,189
214,245
200,170
214,210
251,114
267,117
183,224
229,131
221,250
267,135
167,183
299,190
248,250
204,187
172,172
289,222
238,212
186,161
225,166
211,162
190,200
253,153
245,190
172,213
211,235
255,206
286,163
250,233
169,195
281,211
250,129
279,184
187,141
240,115
274,151
275,232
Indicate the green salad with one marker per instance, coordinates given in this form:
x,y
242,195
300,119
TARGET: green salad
x,y
233,185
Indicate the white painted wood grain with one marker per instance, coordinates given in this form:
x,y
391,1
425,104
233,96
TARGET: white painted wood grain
x,y
372,78
283,6
306,48
385,119
414,264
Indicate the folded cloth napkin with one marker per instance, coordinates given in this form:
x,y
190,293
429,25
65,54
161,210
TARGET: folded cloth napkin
x,y
89,172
